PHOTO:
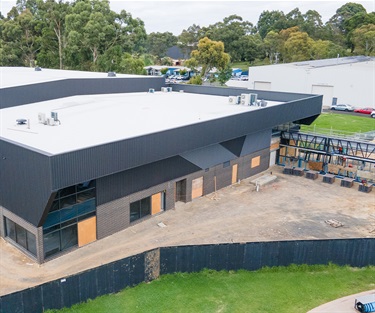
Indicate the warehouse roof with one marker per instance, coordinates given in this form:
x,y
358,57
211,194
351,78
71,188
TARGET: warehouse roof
x,y
334,61
91,120
19,76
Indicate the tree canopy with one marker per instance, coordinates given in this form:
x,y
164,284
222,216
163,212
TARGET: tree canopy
x,y
88,35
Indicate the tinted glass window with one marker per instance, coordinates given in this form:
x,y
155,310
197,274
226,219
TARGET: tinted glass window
x,y
31,243
10,229
135,209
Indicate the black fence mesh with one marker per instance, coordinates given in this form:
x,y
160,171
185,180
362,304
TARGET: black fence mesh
x,y
115,276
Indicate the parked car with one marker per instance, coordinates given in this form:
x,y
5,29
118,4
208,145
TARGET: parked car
x,y
342,107
372,114
364,110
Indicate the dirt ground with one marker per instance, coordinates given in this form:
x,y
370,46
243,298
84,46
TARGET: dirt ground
x,y
287,208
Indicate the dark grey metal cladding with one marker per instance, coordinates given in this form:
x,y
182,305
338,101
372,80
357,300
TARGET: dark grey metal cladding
x,y
234,145
25,181
90,163
209,156
14,96
262,94
256,141
121,184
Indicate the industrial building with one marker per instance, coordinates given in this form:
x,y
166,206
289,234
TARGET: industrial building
x,y
348,80
83,155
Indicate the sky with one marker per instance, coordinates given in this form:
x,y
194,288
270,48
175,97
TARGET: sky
x,y
175,16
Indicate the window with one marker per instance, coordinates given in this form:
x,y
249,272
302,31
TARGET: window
x,y
226,164
255,162
20,235
140,208
71,205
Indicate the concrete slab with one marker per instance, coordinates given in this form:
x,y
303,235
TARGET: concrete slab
x,y
264,179
342,305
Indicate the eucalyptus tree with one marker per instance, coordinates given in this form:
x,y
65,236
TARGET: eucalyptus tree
x,y
158,43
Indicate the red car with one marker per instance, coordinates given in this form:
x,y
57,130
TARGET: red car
x,y
364,110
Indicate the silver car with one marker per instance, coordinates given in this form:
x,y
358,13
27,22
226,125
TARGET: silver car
x,y
342,107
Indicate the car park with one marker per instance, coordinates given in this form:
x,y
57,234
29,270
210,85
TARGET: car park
x,y
364,110
342,107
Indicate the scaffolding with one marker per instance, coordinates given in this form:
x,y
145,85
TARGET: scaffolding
x,y
342,157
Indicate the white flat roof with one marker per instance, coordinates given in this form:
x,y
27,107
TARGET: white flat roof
x,y
92,120
18,76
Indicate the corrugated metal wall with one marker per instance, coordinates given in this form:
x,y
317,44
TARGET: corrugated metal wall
x,y
25,181
72,87
220,91
82,165
34,177
119,185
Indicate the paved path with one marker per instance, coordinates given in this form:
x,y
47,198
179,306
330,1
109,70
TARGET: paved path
x,y
342,305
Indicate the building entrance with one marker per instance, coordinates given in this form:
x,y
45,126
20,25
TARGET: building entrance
x,y
180,190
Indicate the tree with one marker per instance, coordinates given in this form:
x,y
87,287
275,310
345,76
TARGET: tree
x,y
298,47
284,35
312,24
53,14
210,54
224,74
21,39
344,13
325,49
94,30
234,33
272,46
364,39
132,65
355,22
158,43
188,39
294,18
271,20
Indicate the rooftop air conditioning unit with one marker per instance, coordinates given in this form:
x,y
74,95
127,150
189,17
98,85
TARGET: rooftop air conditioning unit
x,y
234,99
51,121
42,118
245,99
169,89
164,89
54,115
263,103
253,99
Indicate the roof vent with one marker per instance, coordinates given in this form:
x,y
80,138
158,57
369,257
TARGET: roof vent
x,y
21,121
38,69
111,74
151,90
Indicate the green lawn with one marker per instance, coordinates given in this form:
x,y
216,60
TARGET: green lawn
x,y
343,122
293,289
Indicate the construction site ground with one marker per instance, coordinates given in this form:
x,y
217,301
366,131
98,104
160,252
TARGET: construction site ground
x,y
286,208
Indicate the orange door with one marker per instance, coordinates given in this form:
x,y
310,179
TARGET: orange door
x,y
86,231
197,188
234,173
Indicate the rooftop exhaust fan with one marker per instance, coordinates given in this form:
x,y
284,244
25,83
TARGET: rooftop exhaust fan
x,y
38,69
21,121
111,74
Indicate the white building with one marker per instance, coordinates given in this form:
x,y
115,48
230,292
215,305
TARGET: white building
x,y
350,79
